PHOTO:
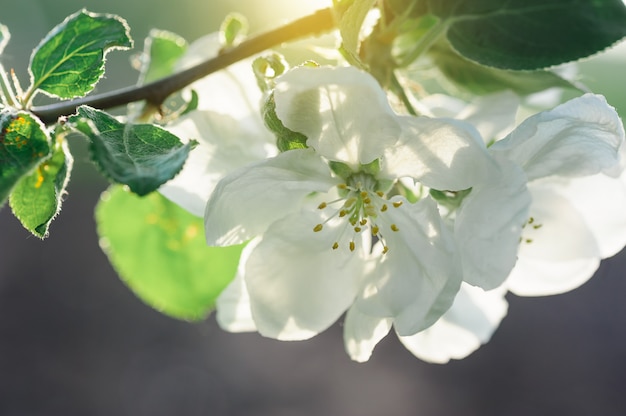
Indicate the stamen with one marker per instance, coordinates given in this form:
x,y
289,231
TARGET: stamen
x,y
397,204
363,194
342,186
383,208
385,249
394,227
363,221
322,205
380,193
367,200
537,226
335,246
357,229
531,220
318,228
343,213
352,246
375,230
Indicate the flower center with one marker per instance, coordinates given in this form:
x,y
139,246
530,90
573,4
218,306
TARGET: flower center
x,y
529,230
360,207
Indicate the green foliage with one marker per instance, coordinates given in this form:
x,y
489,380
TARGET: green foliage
x,y
162,49
285,139
233,30
142,156
4,37
69,61
37,198
267,69
351,15
530,34
158,249
24,143
479,79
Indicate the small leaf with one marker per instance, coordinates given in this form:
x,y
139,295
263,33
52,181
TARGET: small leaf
x,y
142,156
479,79
233,30
5,35
352,14
69,61
37,198
531,34
162,49
285,139
160,252
24,143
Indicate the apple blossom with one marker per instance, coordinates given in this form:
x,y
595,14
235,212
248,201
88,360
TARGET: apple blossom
x,y
330,235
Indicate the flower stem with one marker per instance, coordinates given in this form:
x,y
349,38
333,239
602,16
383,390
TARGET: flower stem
x,y
156,92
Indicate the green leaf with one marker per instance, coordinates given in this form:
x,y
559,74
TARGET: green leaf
x,y
531,34
160,252
5,35
37,198
162,49
142,156
285,139
24,143
69,61
479,79
233,30
351,14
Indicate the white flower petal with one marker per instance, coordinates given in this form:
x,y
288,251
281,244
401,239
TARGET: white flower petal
x,y
232,91
443,154
362,332
342,111
558,231
298,284
541,277
248,200
222,147
493,115
578,138
601,200
233,311
416,281
488,226
469,323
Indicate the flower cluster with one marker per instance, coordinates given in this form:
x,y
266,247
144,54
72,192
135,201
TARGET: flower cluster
x,y
397,221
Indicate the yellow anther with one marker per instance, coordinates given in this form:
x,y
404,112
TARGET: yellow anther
x,y
352,246
343,213
397,204
363,194
342,186
529,240
380,193
353,221
375,230
357,229
537,226
385,249
317,228
335,246
363,221
367,200
394,227
322,205
531,220
383,208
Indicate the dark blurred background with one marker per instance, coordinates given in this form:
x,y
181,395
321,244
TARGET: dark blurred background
x,y
75,341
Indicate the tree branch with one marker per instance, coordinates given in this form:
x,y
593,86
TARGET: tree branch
x,y
156,92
